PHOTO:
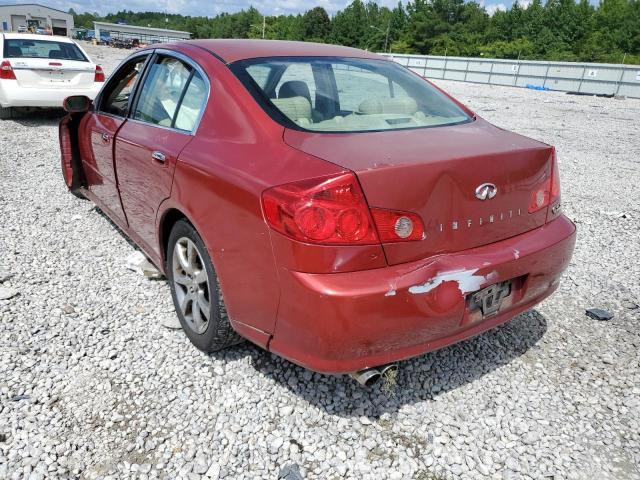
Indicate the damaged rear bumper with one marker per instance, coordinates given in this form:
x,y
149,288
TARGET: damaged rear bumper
x,y
343,322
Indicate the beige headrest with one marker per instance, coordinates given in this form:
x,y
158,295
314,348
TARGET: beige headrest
x,y
296,108
404,105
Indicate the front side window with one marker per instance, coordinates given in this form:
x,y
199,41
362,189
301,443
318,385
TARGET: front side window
x,y
19,48
116,95
162,91
328,94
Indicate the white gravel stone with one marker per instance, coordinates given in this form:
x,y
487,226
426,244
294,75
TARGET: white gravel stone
x,y
7,293
5,275
170,321
201,465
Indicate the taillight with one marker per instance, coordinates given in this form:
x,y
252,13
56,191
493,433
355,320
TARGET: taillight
x,y
6,72
333,211
99,76
548,191
328,210
540,196
394,226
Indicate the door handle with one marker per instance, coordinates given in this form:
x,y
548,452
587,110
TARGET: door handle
x,y
105,137
159,156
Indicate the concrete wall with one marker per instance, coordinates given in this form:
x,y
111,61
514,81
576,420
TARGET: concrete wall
x,y
12,16
588,78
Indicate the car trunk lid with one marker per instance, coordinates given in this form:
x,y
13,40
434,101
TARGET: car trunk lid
x,y
52,73
435,173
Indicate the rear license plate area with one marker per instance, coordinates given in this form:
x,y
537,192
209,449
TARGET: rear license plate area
x,y
489,300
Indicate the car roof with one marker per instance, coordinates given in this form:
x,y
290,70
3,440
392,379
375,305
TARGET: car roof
x,y
27,36
232,50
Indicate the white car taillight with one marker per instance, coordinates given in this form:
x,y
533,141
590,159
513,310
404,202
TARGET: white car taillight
x,y
99,77
6,72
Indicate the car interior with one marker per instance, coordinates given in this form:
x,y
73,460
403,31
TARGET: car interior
x,y
116,100
14,52
336,96
172,94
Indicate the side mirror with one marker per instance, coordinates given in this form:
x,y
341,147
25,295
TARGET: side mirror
x,y
77,104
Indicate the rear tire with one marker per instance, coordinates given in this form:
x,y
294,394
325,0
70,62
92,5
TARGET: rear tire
x,y
6,113
196,291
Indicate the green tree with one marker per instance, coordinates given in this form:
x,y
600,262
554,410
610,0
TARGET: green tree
x,y
349,26
555,30
315,25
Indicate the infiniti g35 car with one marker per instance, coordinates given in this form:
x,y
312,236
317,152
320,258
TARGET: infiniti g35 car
x,y
37,71
323,202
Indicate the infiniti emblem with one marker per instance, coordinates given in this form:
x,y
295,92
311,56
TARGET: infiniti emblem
x,y
486,191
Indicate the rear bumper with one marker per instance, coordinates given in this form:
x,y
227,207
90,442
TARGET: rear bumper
x,y
12,95
343,322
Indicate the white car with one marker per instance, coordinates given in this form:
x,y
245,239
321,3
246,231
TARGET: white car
x,y
37,71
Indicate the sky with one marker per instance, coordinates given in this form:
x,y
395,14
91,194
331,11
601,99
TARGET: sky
x,y
213,7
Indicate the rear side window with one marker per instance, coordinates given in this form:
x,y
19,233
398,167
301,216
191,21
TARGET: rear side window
x,y
192,104
21,48
161,92
172,95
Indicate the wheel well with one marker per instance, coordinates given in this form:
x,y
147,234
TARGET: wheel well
x,y
170,219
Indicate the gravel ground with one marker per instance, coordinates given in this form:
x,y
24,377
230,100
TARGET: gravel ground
x,y
92,385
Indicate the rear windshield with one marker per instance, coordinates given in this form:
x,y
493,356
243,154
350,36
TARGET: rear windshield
x,y
328,94
23,48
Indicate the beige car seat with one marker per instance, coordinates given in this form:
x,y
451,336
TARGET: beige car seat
x,y
398,105
297,109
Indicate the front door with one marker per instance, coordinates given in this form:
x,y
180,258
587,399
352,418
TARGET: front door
x,y
98,162
101,127
162,123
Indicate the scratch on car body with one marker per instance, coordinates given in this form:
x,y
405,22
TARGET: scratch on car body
x,y
467,281
516,254
390,293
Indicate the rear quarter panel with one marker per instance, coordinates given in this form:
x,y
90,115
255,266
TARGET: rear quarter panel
x,y
236,154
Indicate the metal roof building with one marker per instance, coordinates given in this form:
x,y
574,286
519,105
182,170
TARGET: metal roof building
x,y
13,17
144,34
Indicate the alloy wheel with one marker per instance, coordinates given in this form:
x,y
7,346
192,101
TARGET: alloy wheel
x,y
191,285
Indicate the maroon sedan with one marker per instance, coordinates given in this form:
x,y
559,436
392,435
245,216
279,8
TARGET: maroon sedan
x,y
323,202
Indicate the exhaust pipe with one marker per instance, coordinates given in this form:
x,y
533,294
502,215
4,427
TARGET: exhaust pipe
x,y
388,370
370,376
366,377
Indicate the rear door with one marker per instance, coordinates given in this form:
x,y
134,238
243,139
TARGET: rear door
x,y
44,63
165,117
99,128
